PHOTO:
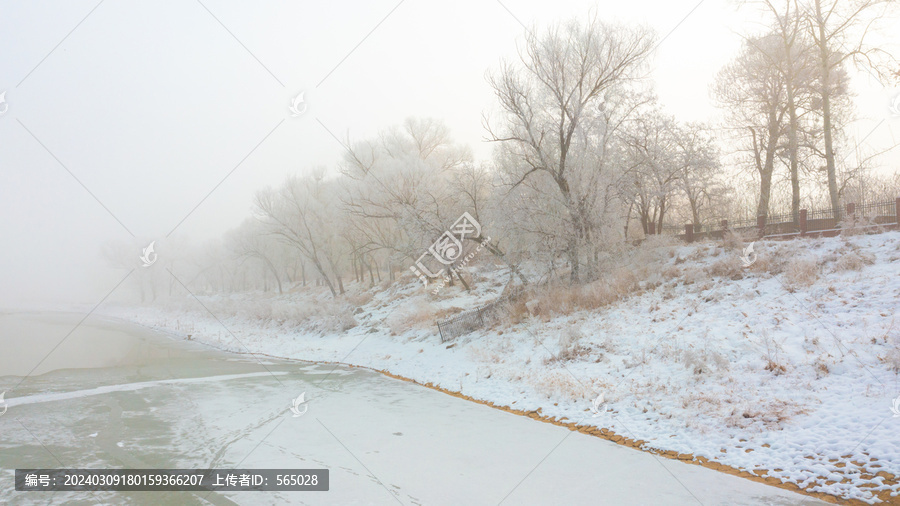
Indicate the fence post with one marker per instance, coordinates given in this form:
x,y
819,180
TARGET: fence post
x,y
761,225
851,207
652,228
689,232
440,331
803,226
897,210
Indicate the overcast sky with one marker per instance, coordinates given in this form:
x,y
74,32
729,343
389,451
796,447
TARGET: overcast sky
x,y
124,115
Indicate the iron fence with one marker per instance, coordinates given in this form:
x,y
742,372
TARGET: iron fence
x,y
473,319
787,224
880,212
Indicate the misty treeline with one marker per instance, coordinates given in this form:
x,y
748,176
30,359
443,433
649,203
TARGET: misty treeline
x,y
585,160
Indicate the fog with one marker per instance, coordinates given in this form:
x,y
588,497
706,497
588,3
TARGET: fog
x,y
144,120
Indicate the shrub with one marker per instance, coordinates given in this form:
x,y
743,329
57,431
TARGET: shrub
x,y
775,258
569,346
801,271
764,263
704,361
853,261
563,299
693,275
623,282
597,295
670,272
857,224
359,298
516,311
734,240
728,267
892,359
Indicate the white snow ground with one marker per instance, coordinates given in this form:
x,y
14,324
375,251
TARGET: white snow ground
x,y
755,370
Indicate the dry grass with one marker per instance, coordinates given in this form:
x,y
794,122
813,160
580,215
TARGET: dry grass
x,y
359,298
671,272
774,258
801,271
694,275
892,359
564,299
417,315
892,342
704,361
598,294
484,355
821,367
559,385
734,240
771,414
853,261
322,316
764,264
570,347
623,282
728,267
857,224
515,312
775,368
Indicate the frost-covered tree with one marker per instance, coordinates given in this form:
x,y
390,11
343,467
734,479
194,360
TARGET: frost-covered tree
x,y
839,32
303,214
404,187
751,92
551,105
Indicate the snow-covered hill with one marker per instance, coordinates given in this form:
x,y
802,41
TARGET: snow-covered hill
x,y
786,368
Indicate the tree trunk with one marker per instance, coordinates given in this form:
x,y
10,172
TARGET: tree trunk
x,y
325,278
513,268
794,159
463,281
826,115
695,214
574,217
794,126
765,172
662,213
275,274
572,256
628,219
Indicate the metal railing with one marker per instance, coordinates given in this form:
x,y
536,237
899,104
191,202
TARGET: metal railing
x,y
473,319
808,221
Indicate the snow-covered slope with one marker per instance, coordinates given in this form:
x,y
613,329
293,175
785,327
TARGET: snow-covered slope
x,y
786,368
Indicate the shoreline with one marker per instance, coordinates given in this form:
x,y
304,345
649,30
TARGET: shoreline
x,y
536,415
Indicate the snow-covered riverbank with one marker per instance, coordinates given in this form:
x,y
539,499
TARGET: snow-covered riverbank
x,y
786,369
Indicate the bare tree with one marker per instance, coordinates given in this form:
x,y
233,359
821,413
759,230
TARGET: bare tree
x,y
752,93
839,30
302,213
697,159
249,240
550,100
402,188
791,57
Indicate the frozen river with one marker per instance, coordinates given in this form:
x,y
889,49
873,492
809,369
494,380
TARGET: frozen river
x,y
114,395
